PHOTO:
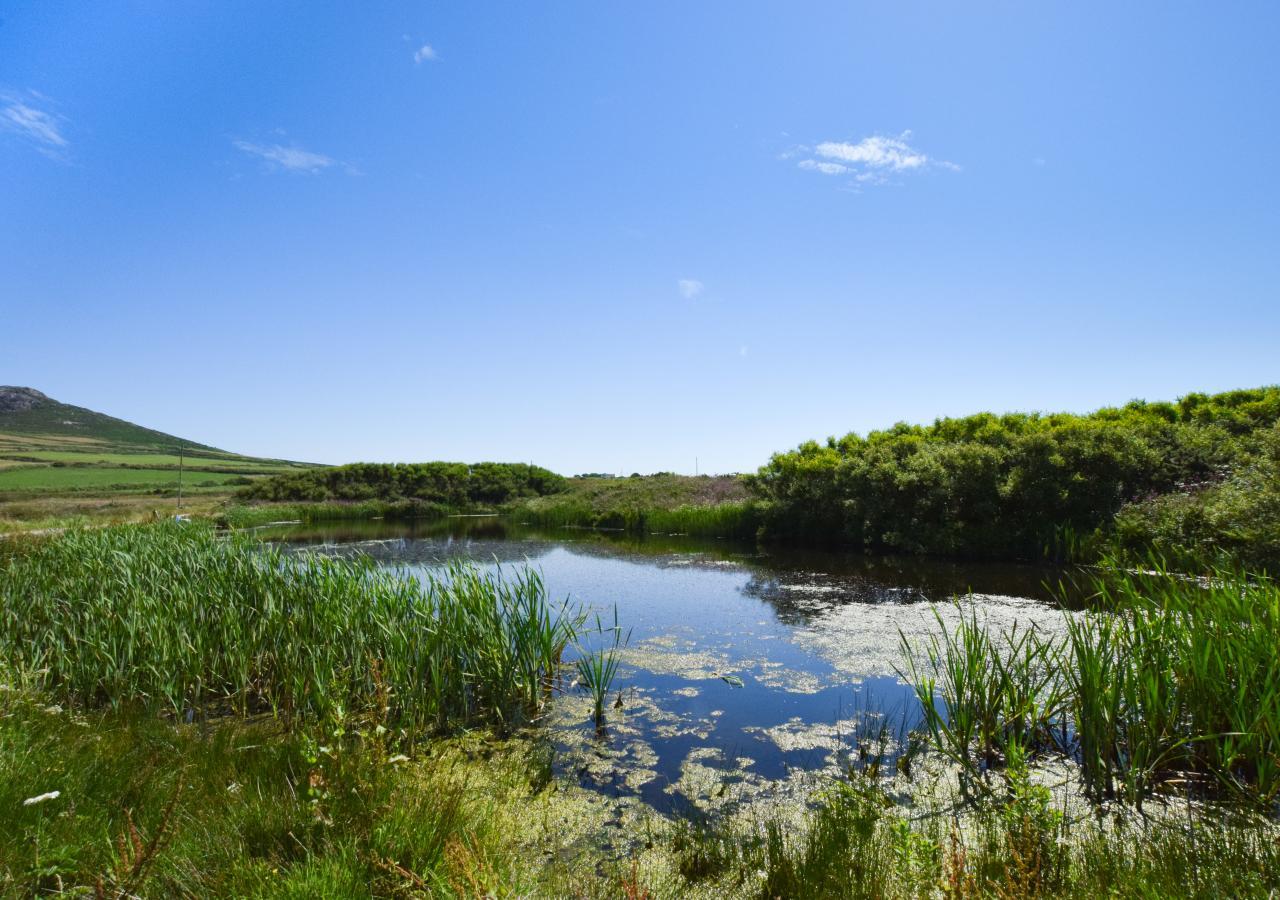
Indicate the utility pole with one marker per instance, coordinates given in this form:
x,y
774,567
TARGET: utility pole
x,y
180,463
695,467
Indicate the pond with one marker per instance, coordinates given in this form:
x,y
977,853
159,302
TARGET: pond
x,y
747,672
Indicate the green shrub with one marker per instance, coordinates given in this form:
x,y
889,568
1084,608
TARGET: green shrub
x,y
1026,485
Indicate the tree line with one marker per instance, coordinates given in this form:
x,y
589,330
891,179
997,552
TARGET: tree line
x,y
447,484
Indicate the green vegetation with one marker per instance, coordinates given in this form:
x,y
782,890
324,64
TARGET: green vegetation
x,y
1167,680
861,842
706,505
154,809
26,412
598,668
242,516
63,465
211,738
176,619
1026,485
442,485
1237,517
300,775
39,478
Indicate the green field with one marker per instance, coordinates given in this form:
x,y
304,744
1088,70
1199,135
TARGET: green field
x,y
42,478
63,464
108,457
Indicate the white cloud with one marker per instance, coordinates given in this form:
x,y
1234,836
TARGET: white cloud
x,y
425,53
690,287
291,159
826,168
872,159
21,115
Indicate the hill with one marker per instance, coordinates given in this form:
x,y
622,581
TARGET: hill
x,y
26,411
52,448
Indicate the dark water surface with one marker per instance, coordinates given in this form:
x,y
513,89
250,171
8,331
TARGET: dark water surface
x,y
813,637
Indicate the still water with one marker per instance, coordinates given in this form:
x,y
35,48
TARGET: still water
x,y
746,671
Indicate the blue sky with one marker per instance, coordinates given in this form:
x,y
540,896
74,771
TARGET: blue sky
x,y
616,237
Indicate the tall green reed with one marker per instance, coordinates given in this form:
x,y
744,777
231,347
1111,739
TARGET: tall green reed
x,y
177,619
1166,679
598,667
984,696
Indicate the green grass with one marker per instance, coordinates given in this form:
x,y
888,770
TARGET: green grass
x,y
58,462
1168,681
858,842
70,478
151,809
208,462
706,506
179,620
322,767
661,491
326,698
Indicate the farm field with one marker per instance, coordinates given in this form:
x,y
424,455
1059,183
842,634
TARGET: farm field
x,y
49,478
63,464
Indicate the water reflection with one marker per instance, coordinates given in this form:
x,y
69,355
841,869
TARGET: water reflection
x,y
745,668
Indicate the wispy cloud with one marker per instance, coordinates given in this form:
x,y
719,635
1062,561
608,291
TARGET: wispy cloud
x,y
826,168
690,287
290,159
425,53
22,115
872,160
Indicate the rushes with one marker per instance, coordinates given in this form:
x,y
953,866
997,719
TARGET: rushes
x,y
1167,680
998,694
175,619
597,668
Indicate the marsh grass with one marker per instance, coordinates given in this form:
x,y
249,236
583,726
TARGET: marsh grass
x,y
175,619
984,696
240,516
597,668
1166,680
149,808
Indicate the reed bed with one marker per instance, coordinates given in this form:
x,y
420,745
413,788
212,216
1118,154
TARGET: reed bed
x,y
176,619
252,516
1166,683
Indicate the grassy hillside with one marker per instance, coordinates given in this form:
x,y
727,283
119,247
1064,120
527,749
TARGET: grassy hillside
x,y
26,411
60,462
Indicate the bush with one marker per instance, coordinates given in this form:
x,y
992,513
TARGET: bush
x,y
1024,485
453,485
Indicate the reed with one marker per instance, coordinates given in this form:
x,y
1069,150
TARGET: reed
x,y
1166,680
598,667
984,697
179,620
251,516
